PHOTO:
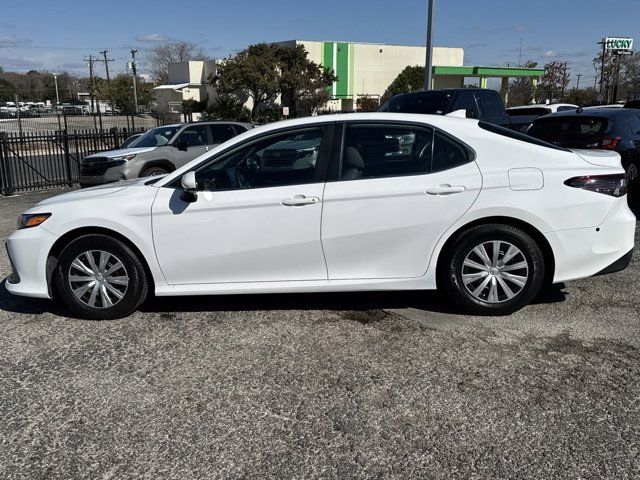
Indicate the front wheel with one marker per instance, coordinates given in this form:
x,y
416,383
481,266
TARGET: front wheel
x,y
100,278
153,171
493,270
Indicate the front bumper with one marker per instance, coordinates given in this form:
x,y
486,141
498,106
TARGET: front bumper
x,y
28,250
116,173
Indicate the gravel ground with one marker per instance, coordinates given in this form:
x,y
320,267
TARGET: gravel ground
x,y
395,385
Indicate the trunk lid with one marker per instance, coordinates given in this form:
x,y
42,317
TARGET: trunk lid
x,y
602,158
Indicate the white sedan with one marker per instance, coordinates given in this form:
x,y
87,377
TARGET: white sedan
x,y
375,201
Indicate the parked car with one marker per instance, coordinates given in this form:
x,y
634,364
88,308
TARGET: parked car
x,y
159,151
609,105
632,104
129,140
522,117
616,129
480,103
390,202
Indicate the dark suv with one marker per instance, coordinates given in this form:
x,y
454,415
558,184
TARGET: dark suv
x,y
480,103
615,129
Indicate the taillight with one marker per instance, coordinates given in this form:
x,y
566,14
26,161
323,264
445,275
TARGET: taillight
x,y
614,185
610,143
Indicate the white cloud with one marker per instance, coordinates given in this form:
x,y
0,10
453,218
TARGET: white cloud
x,y
7,42
550,53
152,37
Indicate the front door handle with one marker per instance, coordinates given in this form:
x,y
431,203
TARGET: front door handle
x,y
446,189
300,201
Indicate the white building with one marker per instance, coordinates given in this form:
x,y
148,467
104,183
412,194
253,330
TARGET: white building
x,y
187,81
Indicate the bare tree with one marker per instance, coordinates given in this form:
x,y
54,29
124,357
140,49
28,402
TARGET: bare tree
x,y
160,57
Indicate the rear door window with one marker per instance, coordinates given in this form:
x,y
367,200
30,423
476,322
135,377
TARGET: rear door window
x,y
489,104
221,132
383,150
466,101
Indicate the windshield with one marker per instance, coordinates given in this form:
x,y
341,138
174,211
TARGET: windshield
x,y
435,102
156,137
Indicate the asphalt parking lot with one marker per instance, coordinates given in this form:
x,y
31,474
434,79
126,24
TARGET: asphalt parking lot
x,y
384,385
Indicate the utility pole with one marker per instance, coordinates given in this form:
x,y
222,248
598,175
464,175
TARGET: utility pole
x,y
106,67
428,64
134,69
90,61
520,54
106,63
578,83
564,80
55,80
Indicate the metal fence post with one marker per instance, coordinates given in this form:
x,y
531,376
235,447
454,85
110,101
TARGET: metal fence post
x,y
67,156
6,180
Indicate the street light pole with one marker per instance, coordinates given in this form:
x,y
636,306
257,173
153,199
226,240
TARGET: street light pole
x,y
428,64
55,80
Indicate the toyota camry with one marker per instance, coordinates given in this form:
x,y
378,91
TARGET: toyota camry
x,y
376,201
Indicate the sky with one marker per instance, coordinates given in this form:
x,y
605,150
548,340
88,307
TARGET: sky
x,y
57,36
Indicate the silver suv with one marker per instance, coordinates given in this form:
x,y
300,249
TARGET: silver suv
x,y
159,151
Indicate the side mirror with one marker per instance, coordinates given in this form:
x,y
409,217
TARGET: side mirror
x,y
189,185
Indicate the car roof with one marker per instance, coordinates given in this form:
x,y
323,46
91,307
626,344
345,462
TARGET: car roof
x,y
600,112
543,105
446,90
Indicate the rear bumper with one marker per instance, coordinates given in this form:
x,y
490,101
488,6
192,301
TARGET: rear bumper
x,y
619,265
585,252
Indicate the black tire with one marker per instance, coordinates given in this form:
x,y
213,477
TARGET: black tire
x,y
453,268
133,295
153,170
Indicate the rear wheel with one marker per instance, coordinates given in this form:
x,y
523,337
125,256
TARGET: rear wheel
x,y
100,278
154,171
493,270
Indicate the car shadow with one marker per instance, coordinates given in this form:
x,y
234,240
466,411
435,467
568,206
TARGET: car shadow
x,y
428,301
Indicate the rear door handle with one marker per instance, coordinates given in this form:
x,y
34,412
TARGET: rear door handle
x,y
300,201
446,189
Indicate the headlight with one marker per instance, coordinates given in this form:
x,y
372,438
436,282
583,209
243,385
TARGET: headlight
x,y
28,220
124,158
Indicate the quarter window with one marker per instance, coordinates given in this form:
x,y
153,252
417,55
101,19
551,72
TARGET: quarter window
x,y
372,151
285,159
447,153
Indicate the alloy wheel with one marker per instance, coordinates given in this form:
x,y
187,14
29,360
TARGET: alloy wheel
x,y
495,271
98,279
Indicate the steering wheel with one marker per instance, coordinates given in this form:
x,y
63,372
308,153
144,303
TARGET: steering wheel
x,y
207,184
